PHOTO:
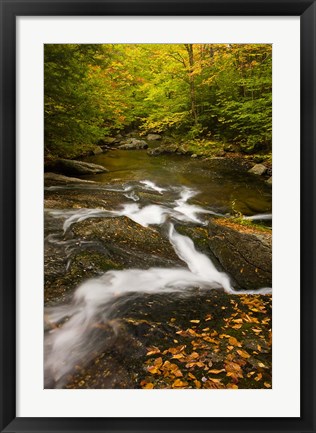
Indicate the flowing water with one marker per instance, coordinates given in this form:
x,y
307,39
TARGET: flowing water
x,y
183,191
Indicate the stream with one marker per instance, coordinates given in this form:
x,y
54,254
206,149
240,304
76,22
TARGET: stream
x,y
151,196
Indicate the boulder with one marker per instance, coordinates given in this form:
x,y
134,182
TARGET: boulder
x,y
245,254
258,169
97,150
220,153
73,167
107,140
153,137
132,144
171,148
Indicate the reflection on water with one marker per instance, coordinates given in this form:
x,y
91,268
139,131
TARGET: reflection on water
x,y
222,187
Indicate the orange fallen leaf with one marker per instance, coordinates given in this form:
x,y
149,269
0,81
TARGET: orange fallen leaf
x,y
197,384
153,369
232,386
179,383
243,354
148,385
258,377
233,341
217,371
158,362
153,350
178,356
236,326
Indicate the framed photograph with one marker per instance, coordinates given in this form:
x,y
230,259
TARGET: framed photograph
x,y
153,275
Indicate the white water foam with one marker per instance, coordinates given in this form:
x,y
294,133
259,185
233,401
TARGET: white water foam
x,y
260,216
151,185
148,215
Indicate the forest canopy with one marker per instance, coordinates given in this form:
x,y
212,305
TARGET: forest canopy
x,y
219,91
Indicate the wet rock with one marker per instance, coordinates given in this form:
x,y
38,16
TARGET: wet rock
x,y
128,244
108,140
153,137
97,150
74,167
132,144
246,256
194,155
171,148
258,169
220,153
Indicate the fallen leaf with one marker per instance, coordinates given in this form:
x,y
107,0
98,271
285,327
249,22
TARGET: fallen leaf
x,y
217,371
148,385
153,369
153,350
243,354
178,356
236,326
197,384
158,362
233,341
212,384
179,383
258,377
233,370
267,385
194,321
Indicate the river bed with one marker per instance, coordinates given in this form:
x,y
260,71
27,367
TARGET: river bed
x,y
126,293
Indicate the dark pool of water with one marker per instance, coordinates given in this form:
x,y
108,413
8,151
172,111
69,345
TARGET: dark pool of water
x,y
221,185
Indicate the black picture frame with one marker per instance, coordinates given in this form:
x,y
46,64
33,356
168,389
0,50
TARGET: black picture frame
x,y
10,9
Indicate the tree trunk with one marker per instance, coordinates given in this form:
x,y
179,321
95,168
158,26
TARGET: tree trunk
x,y
189,48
